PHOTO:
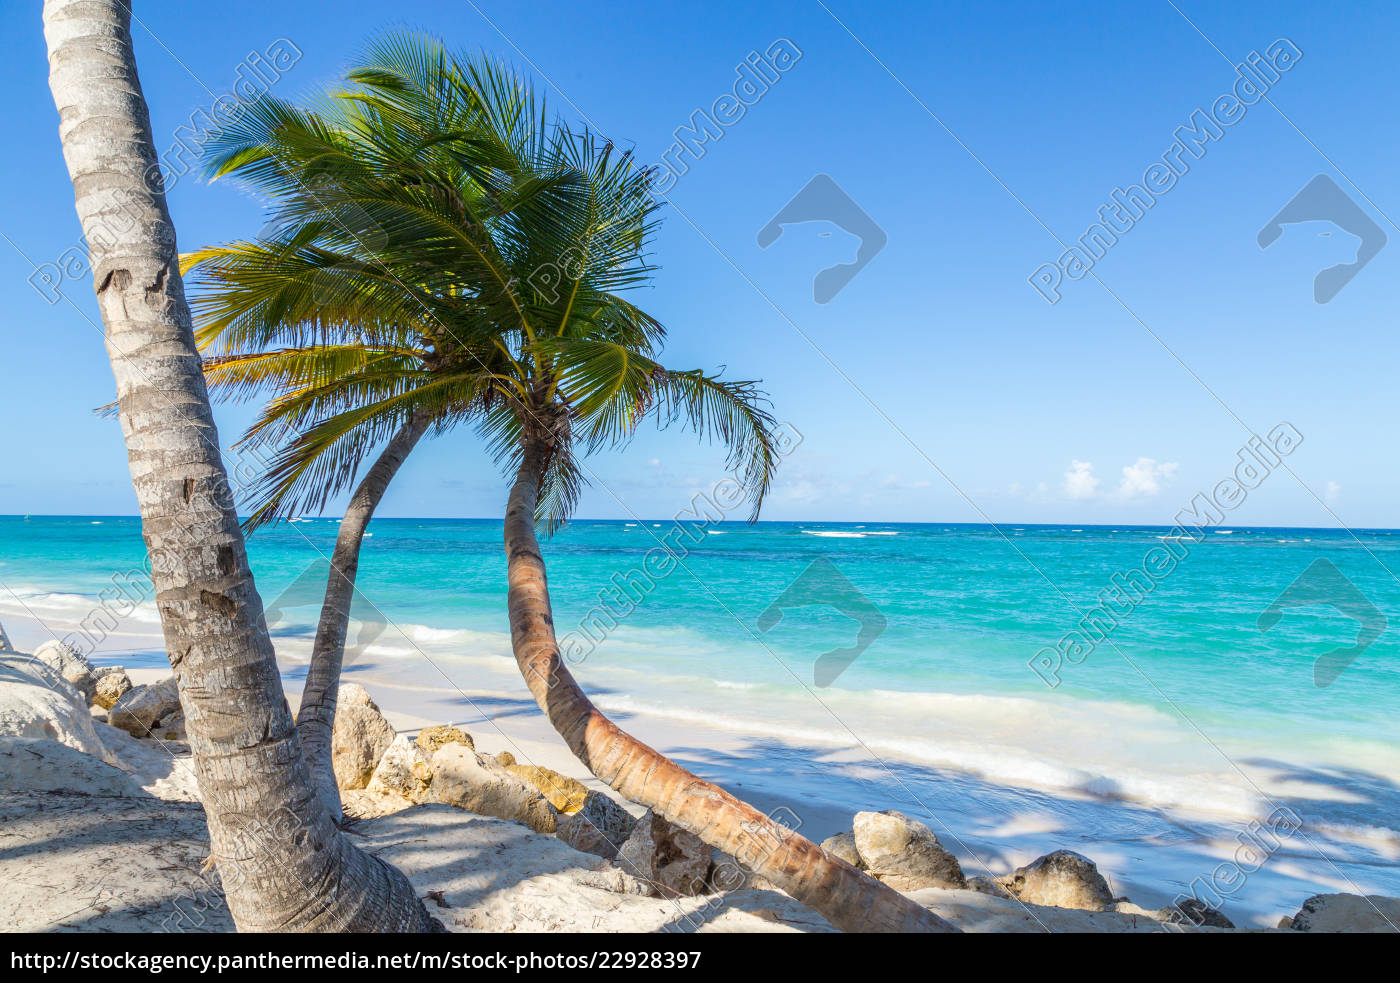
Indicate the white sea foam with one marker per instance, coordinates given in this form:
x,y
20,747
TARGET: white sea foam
x,y
70,610
1001,763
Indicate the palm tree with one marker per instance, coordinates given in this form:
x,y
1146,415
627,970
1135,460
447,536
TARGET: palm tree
x,y
283,863
517,237
584,379
335,401
356,354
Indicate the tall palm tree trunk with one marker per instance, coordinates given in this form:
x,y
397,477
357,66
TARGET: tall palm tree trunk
x,y
849,899
283,864
316,717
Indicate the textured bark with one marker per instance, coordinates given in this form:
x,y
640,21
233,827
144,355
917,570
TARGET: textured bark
x,y
316,716
849,899
283,863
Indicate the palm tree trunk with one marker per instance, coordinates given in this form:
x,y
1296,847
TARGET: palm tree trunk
x,y
316,717
849,899
283,864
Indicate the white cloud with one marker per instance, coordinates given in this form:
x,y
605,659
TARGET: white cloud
x,y
1080,481
1333,493
897,482
1146,478
809,488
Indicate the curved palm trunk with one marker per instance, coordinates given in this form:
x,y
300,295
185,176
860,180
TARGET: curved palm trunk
x,y
849,899
316,717
283,864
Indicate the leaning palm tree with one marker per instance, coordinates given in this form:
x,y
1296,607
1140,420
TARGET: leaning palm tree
x,y
504,218
283,864
583,381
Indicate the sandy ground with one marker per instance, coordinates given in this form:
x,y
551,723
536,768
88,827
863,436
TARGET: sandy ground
x,y
120,861
1149,855
85,846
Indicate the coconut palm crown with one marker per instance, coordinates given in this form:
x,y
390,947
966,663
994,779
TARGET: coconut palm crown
x,y
441,247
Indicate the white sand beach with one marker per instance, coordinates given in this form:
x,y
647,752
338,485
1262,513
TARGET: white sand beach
x,y
499,875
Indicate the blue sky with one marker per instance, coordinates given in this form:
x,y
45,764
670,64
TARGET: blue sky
x,y
973,136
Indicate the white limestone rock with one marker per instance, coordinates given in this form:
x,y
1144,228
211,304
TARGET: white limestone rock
x,y
676,863
360,737
477,783
1063,879
69,663
140,709
903,852
405,769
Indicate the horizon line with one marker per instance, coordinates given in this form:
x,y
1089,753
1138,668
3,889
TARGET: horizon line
x,y
740,522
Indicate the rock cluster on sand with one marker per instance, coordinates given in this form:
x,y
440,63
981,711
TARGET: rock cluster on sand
x,y
359,737
1346,913
111,684
903,852
441,765
36,702
906,855
69,663
475,782
599,828
673,862
141,709
432,738
1063,879
137,709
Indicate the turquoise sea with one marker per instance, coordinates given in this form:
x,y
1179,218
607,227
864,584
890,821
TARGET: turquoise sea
x,y
1185,706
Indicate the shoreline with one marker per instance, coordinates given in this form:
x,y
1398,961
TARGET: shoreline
x,y
1150,855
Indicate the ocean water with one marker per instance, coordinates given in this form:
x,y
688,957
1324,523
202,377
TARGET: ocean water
x,y
1184,707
